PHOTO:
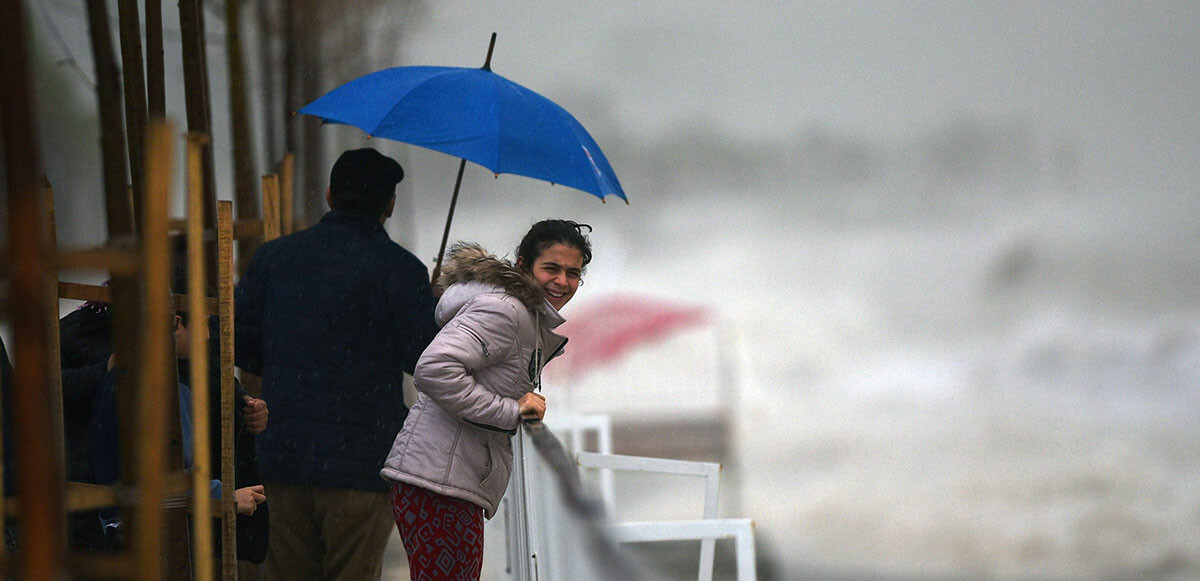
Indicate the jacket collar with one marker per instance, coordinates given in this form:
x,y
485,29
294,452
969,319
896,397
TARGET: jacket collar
x,y
354,219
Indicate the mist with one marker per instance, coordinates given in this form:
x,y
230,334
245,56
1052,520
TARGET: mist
x,y
956,243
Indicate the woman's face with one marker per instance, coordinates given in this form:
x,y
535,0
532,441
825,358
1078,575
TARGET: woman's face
x,y
557,270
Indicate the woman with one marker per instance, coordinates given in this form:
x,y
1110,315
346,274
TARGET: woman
x,y
450,462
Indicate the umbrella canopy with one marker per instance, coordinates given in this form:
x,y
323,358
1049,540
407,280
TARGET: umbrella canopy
x,y
476,115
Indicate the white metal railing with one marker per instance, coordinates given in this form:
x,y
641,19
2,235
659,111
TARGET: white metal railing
x,y
548,528
709,471
708,530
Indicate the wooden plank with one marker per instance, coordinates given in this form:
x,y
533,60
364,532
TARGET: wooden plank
x,y
225,313
242,229
89,292
201,502
96,565
79,497
117,261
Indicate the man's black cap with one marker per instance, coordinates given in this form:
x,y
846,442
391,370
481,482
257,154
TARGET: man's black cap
x,y
364,180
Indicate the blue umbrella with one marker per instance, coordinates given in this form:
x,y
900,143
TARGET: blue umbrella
x,y
476,115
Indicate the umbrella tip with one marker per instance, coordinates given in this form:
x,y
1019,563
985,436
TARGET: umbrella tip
x,y
487,63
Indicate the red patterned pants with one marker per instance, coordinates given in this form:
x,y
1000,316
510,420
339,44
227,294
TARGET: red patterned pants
x,y
442,536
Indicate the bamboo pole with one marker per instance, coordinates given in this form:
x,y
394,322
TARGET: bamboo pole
x,y
245,196
291,74
268,78
156,88
54,373
311,53
135,97
287,179
3,476
198,330
154,385
196,97
43,548
225,305
112,137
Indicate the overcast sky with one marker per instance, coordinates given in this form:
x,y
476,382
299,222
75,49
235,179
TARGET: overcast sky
x,y
1122,79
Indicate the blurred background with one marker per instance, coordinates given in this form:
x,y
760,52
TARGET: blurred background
x,y
947,252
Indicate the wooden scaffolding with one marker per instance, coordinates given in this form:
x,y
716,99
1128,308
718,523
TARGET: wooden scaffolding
x,y
152,473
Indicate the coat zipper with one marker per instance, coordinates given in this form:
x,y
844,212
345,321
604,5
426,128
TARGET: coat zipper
x,y
472,333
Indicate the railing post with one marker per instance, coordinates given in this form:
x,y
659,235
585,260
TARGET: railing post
x,y
520,511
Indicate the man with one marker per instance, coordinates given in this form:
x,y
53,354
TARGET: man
x,y
331,318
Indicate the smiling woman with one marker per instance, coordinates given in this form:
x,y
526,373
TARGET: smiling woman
x,y
450,463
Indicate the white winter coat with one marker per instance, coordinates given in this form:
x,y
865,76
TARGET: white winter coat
x,y
497,333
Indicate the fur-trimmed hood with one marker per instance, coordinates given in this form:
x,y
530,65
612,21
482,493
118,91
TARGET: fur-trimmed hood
x,y
474,270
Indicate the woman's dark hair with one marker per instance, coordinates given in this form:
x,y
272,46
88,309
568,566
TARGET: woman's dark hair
x,y
547,233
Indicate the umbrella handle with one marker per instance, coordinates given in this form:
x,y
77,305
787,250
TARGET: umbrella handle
x,y
437,269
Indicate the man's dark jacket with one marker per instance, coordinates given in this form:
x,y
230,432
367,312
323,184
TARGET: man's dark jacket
x,y
331,317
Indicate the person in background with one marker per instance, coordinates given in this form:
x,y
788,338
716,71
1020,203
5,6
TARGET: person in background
x,y
449,465
86,356
250,418
331,318
85,353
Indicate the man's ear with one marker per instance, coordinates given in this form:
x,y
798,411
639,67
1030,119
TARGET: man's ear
x,y
178,322
391,207
329,198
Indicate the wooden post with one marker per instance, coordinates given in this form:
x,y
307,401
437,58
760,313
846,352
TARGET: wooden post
x,y
156,87
135,97
154,385
39,471
198,331
270,198
112,136
287,175
54,374
225,310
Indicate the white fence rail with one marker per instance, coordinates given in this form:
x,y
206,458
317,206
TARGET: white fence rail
x,y
549,528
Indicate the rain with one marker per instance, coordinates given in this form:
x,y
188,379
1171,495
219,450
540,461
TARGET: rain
x,y
947,252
